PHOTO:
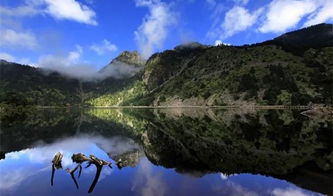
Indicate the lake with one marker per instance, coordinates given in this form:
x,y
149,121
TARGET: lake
x,y
178,151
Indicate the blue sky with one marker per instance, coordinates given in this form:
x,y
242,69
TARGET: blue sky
x,y
90,33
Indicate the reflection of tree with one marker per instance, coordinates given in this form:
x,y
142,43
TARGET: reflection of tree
x,y
276,143
79,159
2,155
267,142
48,125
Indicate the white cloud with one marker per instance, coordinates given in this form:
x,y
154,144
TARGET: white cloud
x,y
53,61
71,10
60,9
24,10
7,57
69,64
154,29
277,16
236,20
118,69
11,38
285,14
104,47
11,58
219,42
323,14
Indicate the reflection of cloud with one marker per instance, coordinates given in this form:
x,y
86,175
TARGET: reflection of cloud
x,y
232,188
288,192
18,166
119,145
237,189
226,176
223,176
12,178
147,183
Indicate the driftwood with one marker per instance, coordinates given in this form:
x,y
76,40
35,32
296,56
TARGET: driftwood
x,y
57,160
56,164
80,158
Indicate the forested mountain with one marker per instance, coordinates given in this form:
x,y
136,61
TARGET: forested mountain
x,y
293,69
25,85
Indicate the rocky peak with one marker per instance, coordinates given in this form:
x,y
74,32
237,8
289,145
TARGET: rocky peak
x,y
130,58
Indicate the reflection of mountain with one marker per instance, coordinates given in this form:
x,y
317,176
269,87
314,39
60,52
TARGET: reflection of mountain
x,y
46,126
128,159
255,147
281,143
275,143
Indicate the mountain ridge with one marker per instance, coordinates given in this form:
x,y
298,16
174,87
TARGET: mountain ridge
x,y
269,73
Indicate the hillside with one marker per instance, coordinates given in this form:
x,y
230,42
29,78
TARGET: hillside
x,y
269,73
294,69
25,85
126,65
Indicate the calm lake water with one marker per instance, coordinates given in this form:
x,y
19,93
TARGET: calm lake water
x,y
167,152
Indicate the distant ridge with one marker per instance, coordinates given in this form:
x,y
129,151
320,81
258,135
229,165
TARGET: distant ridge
x,y
297,42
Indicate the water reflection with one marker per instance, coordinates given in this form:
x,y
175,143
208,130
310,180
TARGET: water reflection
x,y
216,152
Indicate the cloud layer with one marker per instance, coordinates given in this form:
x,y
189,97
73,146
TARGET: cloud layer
x,y
60,9
238,19
278,16
155,26
284,14
104,47
11,38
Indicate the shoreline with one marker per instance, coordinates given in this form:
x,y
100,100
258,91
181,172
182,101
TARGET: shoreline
x,y
301,107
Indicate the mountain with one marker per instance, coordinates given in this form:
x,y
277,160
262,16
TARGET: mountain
x,y
126,65
317,36
25,85
130,58
270,73
295,68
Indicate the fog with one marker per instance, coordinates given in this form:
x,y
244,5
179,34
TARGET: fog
x,y
115,69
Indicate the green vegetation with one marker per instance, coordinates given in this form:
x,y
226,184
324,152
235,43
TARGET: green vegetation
x,y
134,89
293,69
25,85
263,75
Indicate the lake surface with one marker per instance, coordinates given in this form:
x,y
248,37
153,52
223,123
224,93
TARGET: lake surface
x,y
167,152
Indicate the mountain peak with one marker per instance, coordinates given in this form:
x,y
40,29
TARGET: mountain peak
x,y
3,61
130,58
125,65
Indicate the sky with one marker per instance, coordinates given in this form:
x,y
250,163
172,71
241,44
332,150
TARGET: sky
x,y
62,34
